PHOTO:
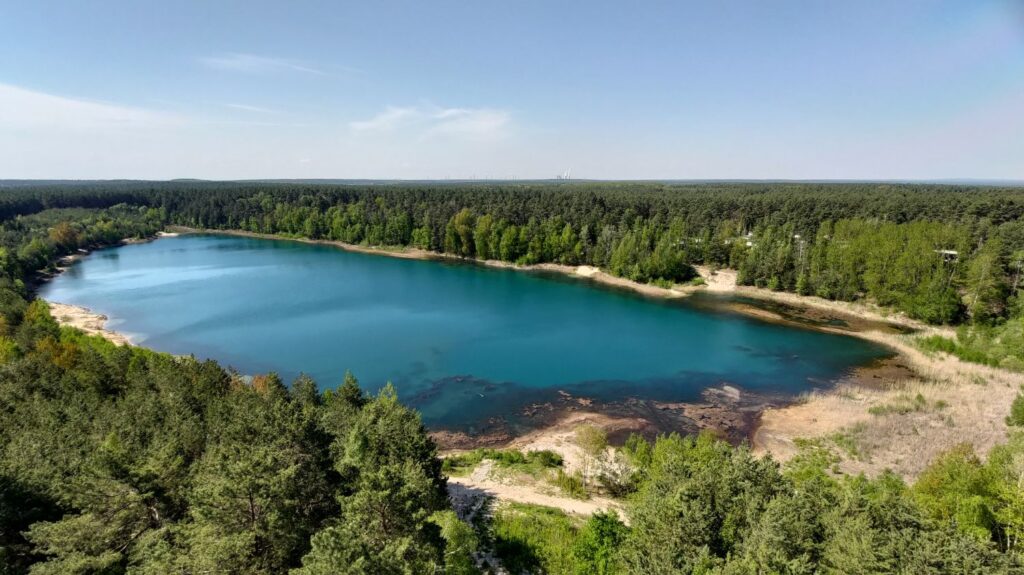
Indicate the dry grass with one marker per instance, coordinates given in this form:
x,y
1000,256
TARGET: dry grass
x,y
905,424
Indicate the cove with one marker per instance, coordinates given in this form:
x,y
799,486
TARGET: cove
x,y
462,343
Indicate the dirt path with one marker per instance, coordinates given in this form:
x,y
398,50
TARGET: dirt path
x,y
487,481
483,483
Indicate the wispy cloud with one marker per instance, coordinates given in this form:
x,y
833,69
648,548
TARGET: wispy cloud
x,y
390,119
253,64
472,123
20,107
248,108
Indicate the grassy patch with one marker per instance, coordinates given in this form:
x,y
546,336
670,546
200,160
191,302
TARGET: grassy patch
x,y
534,539
998,346
849,441
1016,417
904,404
570,485
934,343
531,462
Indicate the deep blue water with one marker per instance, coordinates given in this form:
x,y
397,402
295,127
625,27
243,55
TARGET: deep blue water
x,y
461,342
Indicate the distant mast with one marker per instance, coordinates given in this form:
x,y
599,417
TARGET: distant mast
x,y
566,175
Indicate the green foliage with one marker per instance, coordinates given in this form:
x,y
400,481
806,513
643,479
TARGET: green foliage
x,y
1016,417
123,460
596,547
593,440
696,503
259,486
530,462
572,485
638,451
999,345
531,538
904,404
460,542
956,490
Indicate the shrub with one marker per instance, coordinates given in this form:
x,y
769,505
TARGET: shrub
x,y
571,485
1016,417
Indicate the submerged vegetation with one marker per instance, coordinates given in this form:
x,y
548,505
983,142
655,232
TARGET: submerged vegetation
x,y
123,460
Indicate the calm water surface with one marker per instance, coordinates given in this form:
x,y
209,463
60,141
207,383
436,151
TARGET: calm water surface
x,y
461,342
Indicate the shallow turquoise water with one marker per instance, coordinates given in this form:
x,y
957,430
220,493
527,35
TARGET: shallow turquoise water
x,y
461,342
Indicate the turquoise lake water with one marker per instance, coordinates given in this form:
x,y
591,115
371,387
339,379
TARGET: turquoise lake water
x,y
461,342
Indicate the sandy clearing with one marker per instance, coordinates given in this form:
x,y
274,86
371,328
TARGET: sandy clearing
x,y
483,482
721,280
486,480
960,403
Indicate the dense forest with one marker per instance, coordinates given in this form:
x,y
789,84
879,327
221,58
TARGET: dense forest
x,y
940,254
123,460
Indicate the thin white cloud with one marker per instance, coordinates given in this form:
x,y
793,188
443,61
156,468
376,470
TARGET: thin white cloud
x,y
479,123
390,119
473,123
248,108
20,107
253,64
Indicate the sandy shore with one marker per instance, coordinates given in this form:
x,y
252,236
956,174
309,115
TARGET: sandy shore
x,y
86,320
585,272
900,425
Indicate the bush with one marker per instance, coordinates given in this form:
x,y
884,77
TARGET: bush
x,y
1016,417
530,461
534,539
571,485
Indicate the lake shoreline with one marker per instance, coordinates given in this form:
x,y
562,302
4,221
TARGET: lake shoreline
x,y
88,321
581,272
769,425
721,281
81,317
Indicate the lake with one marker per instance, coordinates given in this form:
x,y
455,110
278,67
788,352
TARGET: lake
x,y
461,342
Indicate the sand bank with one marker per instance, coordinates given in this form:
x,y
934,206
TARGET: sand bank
x,y
901,424
86,320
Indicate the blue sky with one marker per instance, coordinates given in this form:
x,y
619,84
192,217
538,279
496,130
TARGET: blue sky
x,y
617,90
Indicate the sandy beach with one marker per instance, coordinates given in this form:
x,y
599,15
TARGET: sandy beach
x,y
86,320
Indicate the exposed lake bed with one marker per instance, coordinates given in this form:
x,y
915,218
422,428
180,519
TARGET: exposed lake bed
x,y
485,354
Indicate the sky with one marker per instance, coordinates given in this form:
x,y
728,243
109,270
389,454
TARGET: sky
x,y
724,89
